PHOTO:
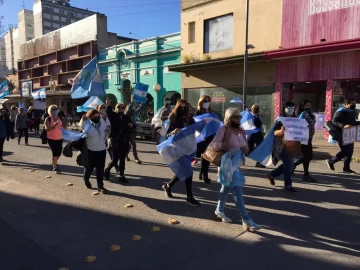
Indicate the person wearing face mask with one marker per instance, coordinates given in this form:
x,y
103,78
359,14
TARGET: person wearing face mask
x,y
179,118
304,112
53,127
95,141
231,137
344,118
258,137
22,126
280,153
202,108
5,131
119,138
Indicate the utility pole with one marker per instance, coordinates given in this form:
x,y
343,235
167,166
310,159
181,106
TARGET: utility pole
x,y
246,54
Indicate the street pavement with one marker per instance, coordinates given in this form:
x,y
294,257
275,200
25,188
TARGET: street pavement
x,y
45,224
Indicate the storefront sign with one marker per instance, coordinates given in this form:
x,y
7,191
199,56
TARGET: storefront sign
x,y
321,6
218,97
296,129
26,88
349,135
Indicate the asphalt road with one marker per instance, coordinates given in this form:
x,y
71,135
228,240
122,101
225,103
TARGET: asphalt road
x,y
45,224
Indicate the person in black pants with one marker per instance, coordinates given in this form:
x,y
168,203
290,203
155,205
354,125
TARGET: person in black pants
x,y
203,107
258,137
344,118
22,126
5,127
180,118
119,138
304,112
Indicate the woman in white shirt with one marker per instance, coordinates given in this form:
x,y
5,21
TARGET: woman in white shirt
x,y
95,140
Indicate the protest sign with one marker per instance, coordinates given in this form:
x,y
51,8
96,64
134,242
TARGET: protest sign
x,y
296,129
349,135
39,105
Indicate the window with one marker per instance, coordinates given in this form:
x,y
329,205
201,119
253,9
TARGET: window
x,y
29,25
218,34
64,12
47,23
47,16
56,25
63,19
71,14
191,32
80,15
48,8
47,31
56,18
56,10
68,20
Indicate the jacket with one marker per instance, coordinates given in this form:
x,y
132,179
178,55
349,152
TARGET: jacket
x,y
82,158
119,125
343,117
21,121
4,129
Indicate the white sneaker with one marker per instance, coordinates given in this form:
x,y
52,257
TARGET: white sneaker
x,y
250,225
222,216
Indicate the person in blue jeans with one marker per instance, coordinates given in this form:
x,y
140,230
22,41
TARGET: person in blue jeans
x,y
232,138
279,152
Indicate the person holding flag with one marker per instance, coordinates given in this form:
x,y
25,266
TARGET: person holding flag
x,y
204,106
179,119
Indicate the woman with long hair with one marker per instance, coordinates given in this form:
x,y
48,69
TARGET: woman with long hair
x,y
204,106
231,137
279,151
180,117
95,141
53,127
304,112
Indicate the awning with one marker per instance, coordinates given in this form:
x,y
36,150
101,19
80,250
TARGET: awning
x,y
339,46
234,60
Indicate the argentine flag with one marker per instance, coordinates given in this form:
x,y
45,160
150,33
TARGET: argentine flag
x,y
230,169
91,103
178,150
39,94
4,89
74,135
247,123
212,125
263,152
88,82
140,92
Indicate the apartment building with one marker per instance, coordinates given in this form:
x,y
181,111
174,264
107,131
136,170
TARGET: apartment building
x,y
50,15
12,47
3,65
213,45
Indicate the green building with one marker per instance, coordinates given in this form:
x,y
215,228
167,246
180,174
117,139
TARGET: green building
x,y
145,61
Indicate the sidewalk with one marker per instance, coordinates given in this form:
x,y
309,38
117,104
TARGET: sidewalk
x,y
323,150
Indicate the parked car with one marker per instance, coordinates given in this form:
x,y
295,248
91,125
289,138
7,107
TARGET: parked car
x,y
143,129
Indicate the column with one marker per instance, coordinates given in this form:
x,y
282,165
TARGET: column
x,y
278,94
328,104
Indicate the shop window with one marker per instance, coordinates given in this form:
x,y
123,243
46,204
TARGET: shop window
x,y
218,34
346,89
191,30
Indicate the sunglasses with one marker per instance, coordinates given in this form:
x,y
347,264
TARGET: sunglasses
x,y
290,108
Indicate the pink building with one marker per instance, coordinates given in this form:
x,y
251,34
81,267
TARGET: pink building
x,y
319,56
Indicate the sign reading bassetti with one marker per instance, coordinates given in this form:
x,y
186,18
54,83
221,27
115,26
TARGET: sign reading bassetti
x,y
321,6
296,129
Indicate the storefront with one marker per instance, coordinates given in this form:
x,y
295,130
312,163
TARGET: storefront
x,y
221,96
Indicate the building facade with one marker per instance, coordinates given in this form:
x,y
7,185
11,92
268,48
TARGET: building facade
x,y
213,45
3,64
53,60
50,15
146,61
319,56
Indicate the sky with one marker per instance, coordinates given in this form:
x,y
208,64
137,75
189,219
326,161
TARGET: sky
x,y
144,18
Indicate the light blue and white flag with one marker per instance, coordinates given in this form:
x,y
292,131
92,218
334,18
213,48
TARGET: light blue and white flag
x,y
230,169
236,100
140,92
178,150
39,94
212,125
91,103
263,152
4,89
74,135
88,82
164,128
247,123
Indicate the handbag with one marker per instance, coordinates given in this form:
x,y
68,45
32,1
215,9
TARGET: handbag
x,y
213,156
293,148
43,135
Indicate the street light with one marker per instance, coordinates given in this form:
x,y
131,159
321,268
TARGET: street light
x,y
245,82
157,88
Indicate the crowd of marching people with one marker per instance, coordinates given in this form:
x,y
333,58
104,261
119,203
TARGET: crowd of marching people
x,y
111,128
